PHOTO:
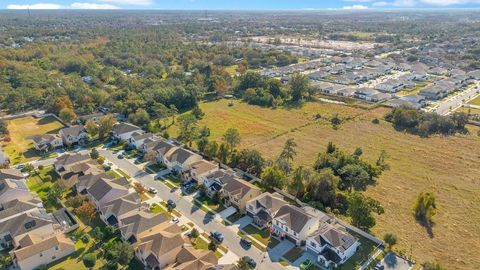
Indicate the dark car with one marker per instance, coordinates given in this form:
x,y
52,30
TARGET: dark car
x,y
246,242
120,156
106,167
171,203
250,261
217,236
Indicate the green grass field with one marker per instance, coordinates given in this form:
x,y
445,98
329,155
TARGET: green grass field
x,y
447,166
475,101
20,148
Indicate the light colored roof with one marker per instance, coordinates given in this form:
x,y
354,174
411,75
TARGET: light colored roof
x,y
160,239
137,222
11,174
269,201
123,205
18,206
180,155
336,236
38,245
239,187
203,166
294,217
24,223
102,187
73,131
12,184
192,259
44,138
122,128
88,180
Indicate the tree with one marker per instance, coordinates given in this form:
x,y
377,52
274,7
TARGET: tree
x,y
139,188
54,193
251,161
231,138
5,261
321,187
354,176
335,121
140,118
285,158
223,153
242,263
122,253
390,239
89,260
75,201
91,127
60,103
272,177
211,149
298,85
197,112
297,185
3,127
202,143
202,190
194,233
212,246
67,115
187,124
105,125
361,209
425,207
216,197
86,211
97,234
94,153
173,112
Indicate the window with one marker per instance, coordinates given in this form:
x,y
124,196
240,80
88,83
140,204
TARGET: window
x,y
313,244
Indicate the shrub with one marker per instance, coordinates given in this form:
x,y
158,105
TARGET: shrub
x,y
89,260
85,238
212,246
375,121
41,167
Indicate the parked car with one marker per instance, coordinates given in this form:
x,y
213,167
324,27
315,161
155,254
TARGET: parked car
x,y
175,220
152,190
120,156
217,236
106,167
20,167
171,203
245,241
378,266
306,264
251,262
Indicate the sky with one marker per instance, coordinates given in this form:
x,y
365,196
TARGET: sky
x,y
236,4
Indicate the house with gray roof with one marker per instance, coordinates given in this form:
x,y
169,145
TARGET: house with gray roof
x,y
13,229
11,174
123,131
64,162
332,245
136,222
47,142
11,189
104,191
180,159
237,192
263,208
17,207
84,182
74,134
114,210
137,139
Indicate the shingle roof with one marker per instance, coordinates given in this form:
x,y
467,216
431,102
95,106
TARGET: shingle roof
x,y
123,205
102,187
122,128
73,131
337,237
89,179
294,217
24,223
44,138
160,239
17,206
192,259
269,201
9,184
140,221
140,136
203,166
69,159
238,187
58,240
180,155
11,174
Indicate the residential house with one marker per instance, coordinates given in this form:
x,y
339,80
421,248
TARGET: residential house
x,y
64,162
433,93
201,169
438,71
35,251
346,92
104,191
417,99
180,159
162,148
84,182
123,131
11,174
296,224
379,97
390,86
137,139
364,93
17,207
215,181
73,135
14,228
136,222
11,189
70,174
93,117
190,258
47,142
263,208
237,192
332,245
398,102
114,210
158,247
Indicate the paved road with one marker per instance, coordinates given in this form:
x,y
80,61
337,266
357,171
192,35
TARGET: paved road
x,y
451,103
198,216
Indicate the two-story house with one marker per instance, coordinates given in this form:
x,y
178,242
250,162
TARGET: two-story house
x,y
104,191
134,223
332,245
237,192
114,210
47,142
137,139
73,135
199,170
11,189
180,160
123,131
264,207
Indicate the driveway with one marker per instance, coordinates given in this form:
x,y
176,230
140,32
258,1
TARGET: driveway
x,y
227,212
277,252
205,221
306,255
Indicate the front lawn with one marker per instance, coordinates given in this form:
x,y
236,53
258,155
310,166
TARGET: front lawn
x,y
364,251
217,207
293,254
174,180
124,174
261,235
156,167
155,208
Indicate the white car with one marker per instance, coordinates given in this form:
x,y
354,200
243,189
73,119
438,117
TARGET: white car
x,y
152,190
175,220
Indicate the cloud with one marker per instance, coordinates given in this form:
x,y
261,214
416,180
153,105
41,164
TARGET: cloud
x,y
380,4
414,3
130,2
35,6
78,5
355,7
359,1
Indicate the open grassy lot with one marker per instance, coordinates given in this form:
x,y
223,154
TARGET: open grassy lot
x,y
40,182
448,166
475,101
20,148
